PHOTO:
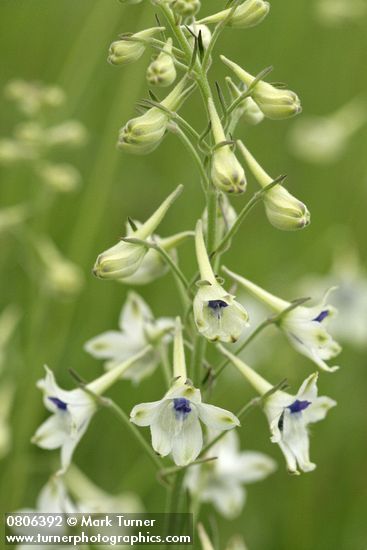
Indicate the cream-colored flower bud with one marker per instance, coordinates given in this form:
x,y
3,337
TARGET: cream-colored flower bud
x,y
71,133
30,134
282,209
162,71
275,103
53,96
226,172
63,178
131,48
247,110
186,8
143,134
124,259
246,15
195,28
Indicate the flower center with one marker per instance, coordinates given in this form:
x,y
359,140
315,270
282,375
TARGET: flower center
x,y
321,316
298,406
216,306
61,405
181,406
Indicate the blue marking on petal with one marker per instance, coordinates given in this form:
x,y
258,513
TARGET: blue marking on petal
x,y
216,306
181,407
298,406
321,316
61,405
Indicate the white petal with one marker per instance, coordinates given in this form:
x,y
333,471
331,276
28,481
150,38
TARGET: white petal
x,y
228,499
217,418
318,409
53,432
134,315
189,442
185,390
289,458
308,389
296,438
110,345
145,413
253,466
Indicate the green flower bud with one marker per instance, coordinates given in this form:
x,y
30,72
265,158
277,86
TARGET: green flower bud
x,y
247,110
246,15
12,217
227,173
124,259
162,71
131,48
226,216
31,97
282,209
186,8
71,133
143,134
274,102
12,150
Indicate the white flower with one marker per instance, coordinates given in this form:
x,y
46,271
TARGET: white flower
x,y
221,481
92,499
305,327
350,299
124,259
72,411
289,415
138,328
218,316
339,12
175,420
288,418
52,499
235,543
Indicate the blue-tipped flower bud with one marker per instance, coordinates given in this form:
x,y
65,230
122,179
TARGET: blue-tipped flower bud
x,y
246,15
275,103
130,48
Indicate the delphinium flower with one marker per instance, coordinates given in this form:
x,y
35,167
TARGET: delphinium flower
x,y
52,499
124,259
283,210
247,110
92,499
222,481
349,277
218,316
305,327
63,178
324,139
175,419
72,410
226,216
32,97
138,329
289,415
275,103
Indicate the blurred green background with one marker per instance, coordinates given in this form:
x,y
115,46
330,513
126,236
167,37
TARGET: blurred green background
x,y
66,43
